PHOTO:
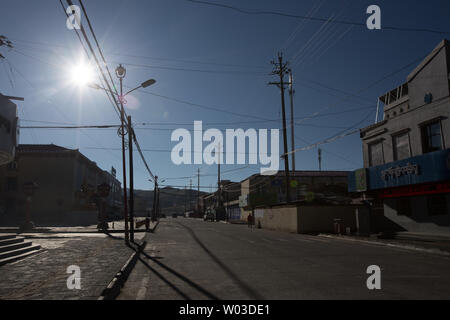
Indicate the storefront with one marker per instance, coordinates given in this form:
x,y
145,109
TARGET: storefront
x,y
415,192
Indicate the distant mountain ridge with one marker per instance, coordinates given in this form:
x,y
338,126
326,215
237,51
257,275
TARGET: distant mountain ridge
x,y
171,200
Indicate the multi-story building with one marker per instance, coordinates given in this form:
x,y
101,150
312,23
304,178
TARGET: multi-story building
x,y
406,155
319,187
231,192
64,179
9,131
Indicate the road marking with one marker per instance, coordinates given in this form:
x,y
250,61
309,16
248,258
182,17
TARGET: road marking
x,y
284,240
267,240
251,241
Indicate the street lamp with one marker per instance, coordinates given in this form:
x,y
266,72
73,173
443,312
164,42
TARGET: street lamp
x,y
121,73
143,85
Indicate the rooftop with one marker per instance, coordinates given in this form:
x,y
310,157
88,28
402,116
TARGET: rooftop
x,y
305,173
23,148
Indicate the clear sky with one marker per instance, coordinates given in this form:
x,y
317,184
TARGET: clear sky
x,y
217,58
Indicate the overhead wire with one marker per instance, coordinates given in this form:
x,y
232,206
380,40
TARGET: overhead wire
x,y
295,16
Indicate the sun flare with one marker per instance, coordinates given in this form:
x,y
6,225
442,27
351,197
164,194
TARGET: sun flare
x,y
82,74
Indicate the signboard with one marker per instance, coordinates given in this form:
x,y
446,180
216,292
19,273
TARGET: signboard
x,y
361,180
427,168
396,172
243,201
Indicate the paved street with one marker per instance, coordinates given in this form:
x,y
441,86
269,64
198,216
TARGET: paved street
x,y
44,275
193,259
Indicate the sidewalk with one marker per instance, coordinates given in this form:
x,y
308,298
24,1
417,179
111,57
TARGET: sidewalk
x,y
116,227
44,276
431,243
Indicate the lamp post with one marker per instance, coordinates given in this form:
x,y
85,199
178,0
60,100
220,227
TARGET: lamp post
x,y
121,73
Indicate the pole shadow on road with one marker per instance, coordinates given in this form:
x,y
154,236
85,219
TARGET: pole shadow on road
x,y
245,287
180,276
170,284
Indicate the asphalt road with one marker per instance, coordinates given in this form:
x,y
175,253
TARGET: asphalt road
x,y
193,259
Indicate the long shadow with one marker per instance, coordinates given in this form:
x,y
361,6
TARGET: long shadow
x,y
250,291
180,276
111,236
181,293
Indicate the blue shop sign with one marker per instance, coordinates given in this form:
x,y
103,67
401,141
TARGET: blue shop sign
x,y
430,167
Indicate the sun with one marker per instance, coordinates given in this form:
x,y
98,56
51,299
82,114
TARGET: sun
x,y
82,74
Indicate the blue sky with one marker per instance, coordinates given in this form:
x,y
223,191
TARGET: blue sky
x,y
217,58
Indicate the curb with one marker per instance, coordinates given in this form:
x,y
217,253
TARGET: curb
x,y
392,245
113,289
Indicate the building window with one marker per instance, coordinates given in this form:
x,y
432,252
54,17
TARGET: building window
x,y
404,207
11,184
437,205
376,157
431,137
401,145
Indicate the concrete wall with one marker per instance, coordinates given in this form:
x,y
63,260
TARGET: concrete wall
x,y
305,219
278,218
313,219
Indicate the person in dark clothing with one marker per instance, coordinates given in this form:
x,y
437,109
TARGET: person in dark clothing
x,y
250,220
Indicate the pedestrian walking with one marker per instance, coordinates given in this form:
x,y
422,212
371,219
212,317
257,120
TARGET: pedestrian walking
x,y
250,221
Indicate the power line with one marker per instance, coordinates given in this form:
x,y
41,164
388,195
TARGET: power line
x,y
264,119
104,78
335,137
201,105
209,175
113,100
142,155
288,15
242,73
222,64
173,68
217,123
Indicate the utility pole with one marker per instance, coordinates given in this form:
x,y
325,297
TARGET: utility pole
x,y
147,220
190,193
320,159
130,151
121,72
157,206
154,199
280,69
291,93
219,198
184,199
198,189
